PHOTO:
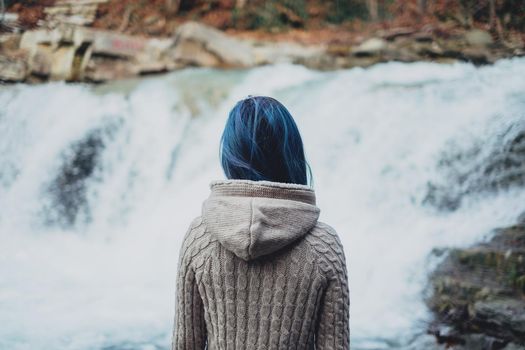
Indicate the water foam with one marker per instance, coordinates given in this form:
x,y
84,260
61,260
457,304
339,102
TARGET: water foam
x,y
374,138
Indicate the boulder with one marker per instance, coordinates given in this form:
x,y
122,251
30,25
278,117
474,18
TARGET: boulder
x,y
192,53
9,42
75,12
268,53
478,293
57,54
370,47
12,69
101,70
62,63
115,44
32,38
423,37
505,317
53,63
201,45
41,62
478,37
10,18
394,33
477,55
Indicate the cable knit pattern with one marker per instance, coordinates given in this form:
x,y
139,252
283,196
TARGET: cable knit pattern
x,y
258,271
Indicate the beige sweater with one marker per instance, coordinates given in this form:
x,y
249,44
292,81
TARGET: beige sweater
x,y
258,271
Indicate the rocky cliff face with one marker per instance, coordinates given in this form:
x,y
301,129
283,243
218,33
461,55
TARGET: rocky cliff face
x,y
478,293
77,53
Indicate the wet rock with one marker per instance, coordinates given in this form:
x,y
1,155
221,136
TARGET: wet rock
x,y
481,341
477,37
431,50
198,44
76,12
9,42
478,293
116,45
452,47
100,69
268,53
69,190
483,168
75,182
62,63
12,69
503,317
370,47
70,35
58,54
394,33
423,37
41,62
58,63
74,54
424,341
154,24
194,54
476,55
9,18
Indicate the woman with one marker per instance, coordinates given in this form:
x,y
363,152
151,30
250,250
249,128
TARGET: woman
x,y
257,270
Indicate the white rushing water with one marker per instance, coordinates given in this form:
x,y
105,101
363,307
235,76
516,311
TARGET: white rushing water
x,y
98,186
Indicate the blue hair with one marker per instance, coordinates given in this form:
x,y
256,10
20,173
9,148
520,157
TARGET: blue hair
x,y
262,142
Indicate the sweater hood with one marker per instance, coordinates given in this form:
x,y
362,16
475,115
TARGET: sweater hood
x,y
256,218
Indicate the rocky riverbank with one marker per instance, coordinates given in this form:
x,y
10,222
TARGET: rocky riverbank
x,y
77,53
478,294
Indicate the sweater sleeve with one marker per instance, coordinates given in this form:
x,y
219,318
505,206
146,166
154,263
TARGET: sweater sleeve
x,y
190,329
333,330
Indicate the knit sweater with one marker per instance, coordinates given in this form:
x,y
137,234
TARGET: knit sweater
x,y
257,270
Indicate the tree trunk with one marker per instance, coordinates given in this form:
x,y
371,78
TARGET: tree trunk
x,y
239,4
172,6
373,9
422,6
492,14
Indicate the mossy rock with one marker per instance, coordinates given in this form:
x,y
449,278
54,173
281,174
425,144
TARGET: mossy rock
x,y
481,289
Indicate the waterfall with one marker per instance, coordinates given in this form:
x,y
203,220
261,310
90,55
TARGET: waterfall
x,y
98,185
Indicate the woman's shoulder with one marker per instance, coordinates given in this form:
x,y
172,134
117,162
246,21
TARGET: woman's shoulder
x,y
326,245
195,241
324,234
196,228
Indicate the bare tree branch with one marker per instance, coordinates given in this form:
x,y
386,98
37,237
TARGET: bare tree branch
x,y
172,6
492,14
2,11
422,5
240,4
373,9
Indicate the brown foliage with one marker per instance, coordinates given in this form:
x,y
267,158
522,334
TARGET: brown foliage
x,y
30,11
282,18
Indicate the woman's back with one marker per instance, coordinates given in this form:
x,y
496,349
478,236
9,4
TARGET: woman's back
x,y
258,271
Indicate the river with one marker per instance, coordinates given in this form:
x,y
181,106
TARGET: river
x,y
99,183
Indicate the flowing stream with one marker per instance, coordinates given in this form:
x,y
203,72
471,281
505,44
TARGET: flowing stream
x,y
98,185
